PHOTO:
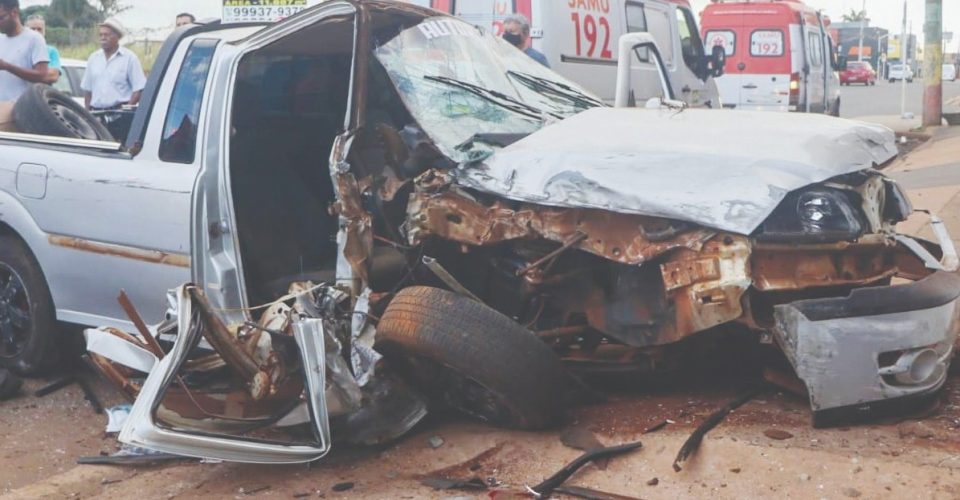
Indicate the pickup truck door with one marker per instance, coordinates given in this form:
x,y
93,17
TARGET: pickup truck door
x,y
217,268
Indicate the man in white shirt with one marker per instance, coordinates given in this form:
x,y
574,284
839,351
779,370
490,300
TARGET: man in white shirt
x,y
114,76
23,53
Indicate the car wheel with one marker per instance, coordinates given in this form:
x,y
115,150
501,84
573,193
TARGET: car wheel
x,y
27,322
835,108
472,358
43,110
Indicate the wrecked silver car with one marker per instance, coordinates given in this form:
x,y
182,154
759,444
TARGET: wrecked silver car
x,y
484,228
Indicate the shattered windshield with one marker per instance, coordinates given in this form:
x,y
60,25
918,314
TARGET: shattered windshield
x,y
462,84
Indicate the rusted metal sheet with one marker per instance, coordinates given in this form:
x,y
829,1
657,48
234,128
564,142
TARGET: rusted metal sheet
x,y
779,267
154,256
436,210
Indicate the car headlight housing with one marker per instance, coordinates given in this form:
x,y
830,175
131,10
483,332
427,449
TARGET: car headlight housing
x,y
818,216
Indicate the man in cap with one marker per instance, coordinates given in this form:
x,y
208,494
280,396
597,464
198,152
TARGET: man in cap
x,y
37,23
114,76
23,53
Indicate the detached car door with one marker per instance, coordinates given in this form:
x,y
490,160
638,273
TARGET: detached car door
x,y
153,423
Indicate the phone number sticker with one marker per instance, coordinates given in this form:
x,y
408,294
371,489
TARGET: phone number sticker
x,y
245,11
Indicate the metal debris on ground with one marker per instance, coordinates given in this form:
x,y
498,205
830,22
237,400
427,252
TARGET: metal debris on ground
x,y
9,384
435,442
448,483
132,455
693,442
550,484
85,386
340,487
580,438
591,494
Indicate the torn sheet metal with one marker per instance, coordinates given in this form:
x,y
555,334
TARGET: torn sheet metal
x,y
719,170
843,348
623,238
109,345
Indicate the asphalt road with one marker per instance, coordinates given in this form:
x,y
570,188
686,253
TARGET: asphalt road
x,y
884,98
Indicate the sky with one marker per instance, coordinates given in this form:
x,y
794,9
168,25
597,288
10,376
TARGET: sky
x,y
882,13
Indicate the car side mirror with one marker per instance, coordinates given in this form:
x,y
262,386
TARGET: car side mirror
x,y
716,62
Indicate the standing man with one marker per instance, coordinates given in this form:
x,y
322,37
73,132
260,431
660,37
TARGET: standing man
x,y
185,18
37,23
114,76
516,31
23,53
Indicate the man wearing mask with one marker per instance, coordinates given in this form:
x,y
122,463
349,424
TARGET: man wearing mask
x,y
39,24
114,76
23,54
516,31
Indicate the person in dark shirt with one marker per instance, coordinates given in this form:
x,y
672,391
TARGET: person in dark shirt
x,y
516,31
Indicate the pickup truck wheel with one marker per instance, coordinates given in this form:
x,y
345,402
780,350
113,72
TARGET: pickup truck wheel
x,y
43,110
27,322
472,358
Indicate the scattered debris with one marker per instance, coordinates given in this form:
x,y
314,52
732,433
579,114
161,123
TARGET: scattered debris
x,y
436,442
804,477
693,442
915,429
116,416
591,494
580,438
303,494
106,481
778,434
547,487
88,392
851,492
131,455
657,427
447,483
254,491
9,384
341,487
736,470
653,482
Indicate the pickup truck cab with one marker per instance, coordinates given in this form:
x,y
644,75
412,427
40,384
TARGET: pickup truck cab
x,y
371,196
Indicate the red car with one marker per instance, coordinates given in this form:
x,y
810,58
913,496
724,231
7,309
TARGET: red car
x,y
858,72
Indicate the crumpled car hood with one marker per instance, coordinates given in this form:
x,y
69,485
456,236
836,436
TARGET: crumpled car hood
x,y
721,169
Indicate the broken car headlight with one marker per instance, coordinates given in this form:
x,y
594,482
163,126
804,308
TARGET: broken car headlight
x,y
823,215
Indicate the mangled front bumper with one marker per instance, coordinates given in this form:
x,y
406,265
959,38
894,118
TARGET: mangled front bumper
x,y
873,348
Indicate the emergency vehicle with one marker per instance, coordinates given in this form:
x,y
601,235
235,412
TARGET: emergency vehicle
x,y
780,56
579,39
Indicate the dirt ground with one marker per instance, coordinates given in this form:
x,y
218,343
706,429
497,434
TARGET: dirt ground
x,y
894,458
767,448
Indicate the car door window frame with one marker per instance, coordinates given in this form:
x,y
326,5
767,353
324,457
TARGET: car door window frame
x,y
188,89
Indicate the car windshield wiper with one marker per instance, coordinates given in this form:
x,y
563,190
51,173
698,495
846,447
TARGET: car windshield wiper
x,y
499,98
561,89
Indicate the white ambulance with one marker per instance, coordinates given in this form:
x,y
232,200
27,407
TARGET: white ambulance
x,y
579,39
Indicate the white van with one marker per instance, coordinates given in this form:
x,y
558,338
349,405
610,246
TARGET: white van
x,y
579,39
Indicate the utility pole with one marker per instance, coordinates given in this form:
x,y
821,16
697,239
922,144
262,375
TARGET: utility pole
x,y
903,62
863,19
933,64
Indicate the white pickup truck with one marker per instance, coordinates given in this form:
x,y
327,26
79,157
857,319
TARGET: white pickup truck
x,y
487,222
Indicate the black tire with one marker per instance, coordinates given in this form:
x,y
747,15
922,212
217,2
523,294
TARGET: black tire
x,y
473,358
28,327
43,110
835,108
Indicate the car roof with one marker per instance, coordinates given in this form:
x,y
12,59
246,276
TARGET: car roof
x,y
73,62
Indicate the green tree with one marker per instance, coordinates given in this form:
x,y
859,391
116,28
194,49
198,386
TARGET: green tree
x,y
109,8
70,12
855,16
35,10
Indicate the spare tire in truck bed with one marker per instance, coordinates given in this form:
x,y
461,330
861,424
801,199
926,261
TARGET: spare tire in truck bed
x,y
43,110
473,358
